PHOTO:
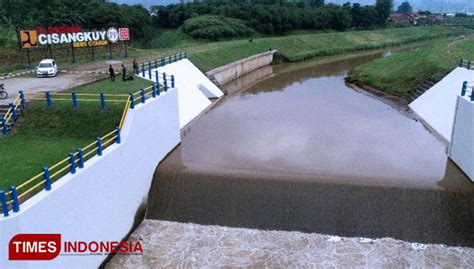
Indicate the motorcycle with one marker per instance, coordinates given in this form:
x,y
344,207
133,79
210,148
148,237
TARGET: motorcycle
x,y
3,92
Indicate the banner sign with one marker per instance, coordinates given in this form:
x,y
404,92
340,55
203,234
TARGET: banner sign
x,y
64,35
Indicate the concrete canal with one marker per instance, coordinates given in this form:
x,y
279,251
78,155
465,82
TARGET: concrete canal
x,y
299,150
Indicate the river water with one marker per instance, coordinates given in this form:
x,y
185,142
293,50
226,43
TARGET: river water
x,y
292,147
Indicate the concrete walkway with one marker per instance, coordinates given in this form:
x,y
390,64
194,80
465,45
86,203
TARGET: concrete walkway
x,y
177,245
31,84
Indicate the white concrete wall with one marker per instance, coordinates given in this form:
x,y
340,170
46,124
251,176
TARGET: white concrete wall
x,y
100,201
462,143
437,105
234,70
188,79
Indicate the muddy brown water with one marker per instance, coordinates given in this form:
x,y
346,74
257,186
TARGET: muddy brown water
x,y
292,147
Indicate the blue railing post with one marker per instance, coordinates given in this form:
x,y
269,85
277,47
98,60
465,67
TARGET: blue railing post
x,y
14,198
99,146
185,55
172,81
143,70
156,63
149,73
3,200
47,179
4,127
80,156
461,62
48,99
142,94
472,95
180,55
469,65
22,99
166,85
153,90
74,100
158,88
102,101
169,59
132,101
118,139
175,58
13,110
157,76
464,87
164,76
163,63
72,162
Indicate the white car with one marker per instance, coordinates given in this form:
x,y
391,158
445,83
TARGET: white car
x,y
47,68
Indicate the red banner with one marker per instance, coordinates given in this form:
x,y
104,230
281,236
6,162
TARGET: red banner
x,y
34,247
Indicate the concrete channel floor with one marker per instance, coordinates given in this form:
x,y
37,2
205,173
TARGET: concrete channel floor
x,y
171,244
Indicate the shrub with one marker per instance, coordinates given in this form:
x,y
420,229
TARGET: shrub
x,y
215,27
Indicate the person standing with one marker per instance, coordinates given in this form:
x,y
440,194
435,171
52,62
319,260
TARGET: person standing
x,y
112,73
124,73
135,66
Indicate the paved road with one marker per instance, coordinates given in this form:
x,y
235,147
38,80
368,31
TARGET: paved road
x,y
31,84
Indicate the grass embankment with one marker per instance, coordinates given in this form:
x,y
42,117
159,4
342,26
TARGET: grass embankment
x,y
209,55
44,136
401,73
296,46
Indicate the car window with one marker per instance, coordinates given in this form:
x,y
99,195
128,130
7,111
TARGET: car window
x,y
45,65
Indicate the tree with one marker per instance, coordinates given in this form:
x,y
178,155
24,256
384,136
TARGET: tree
x,y
405,8
383,8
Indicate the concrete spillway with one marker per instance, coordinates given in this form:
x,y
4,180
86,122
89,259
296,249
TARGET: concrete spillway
x,y
301,151
451,116
437,106
194,88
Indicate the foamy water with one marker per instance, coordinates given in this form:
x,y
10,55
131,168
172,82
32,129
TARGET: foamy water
x,y
172,244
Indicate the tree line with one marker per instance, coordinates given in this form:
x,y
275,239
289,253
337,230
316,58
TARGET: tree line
x,y
278,17
88,14
222,18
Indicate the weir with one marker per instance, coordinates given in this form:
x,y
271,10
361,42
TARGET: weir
x,y
301,151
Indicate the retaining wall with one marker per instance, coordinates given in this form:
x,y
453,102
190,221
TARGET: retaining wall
x,y
99,202
462,141
195,88
229,72
437,105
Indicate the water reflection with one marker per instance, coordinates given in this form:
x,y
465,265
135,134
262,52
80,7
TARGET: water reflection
x,y
300,150
308,120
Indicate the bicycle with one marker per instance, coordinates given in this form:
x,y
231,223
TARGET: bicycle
x,y
3,92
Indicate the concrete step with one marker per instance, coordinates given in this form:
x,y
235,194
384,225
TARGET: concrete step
x,y
427,84
420,91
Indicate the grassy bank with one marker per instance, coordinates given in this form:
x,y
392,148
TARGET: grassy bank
x,y
209,55
402,73
44,136
296,46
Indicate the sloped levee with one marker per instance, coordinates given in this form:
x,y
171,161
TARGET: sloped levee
x,y
438,105
99,202
462,144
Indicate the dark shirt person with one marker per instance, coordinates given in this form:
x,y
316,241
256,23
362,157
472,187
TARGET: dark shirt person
x,y
135,66
124,73
112,73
